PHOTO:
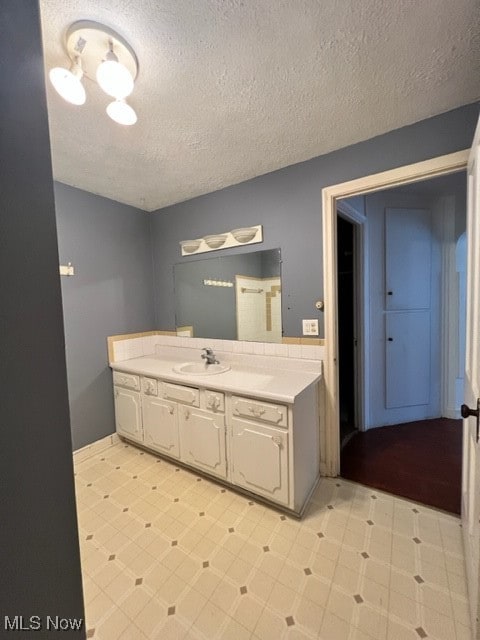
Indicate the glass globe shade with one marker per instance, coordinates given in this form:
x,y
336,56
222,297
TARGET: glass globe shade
x,y
121,112
115,79
68,84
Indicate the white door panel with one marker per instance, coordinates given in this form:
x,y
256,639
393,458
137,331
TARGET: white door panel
x,y
471,454
407,359
408,255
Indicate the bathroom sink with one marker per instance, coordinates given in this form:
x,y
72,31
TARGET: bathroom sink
x,y
200,368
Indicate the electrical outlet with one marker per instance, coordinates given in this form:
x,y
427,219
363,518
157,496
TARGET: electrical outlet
x,y
310,327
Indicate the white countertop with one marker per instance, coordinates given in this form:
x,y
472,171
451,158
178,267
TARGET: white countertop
x,y
272,378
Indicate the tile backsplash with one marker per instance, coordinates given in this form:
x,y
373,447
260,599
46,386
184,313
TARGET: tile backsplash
x,y
125,347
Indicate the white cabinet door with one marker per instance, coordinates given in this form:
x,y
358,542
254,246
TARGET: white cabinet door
x,y
202,440
407,356
260,459
128,414
408,259
160,425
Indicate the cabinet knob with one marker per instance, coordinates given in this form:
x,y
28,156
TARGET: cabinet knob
x,y
187,414
170,411
277,440
213,403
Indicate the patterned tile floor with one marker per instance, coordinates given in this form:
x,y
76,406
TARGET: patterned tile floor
x,y
167,554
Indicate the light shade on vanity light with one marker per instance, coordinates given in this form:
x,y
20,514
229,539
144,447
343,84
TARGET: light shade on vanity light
x,y
245,234
189,246
215,241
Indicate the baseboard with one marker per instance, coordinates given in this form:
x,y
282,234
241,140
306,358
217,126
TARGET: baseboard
x,y
453,414
95,447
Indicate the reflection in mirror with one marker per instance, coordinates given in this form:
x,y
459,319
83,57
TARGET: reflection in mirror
x,y
230,297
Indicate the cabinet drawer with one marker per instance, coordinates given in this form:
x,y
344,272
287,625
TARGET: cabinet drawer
x,y
149,386
186,395
213,401
128,380
276,414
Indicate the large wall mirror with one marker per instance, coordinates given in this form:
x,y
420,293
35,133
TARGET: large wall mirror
x,y
230,297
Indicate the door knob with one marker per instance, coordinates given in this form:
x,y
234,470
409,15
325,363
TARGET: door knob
x,y
467,412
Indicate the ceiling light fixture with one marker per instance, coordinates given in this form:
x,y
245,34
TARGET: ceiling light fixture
x,y
102,55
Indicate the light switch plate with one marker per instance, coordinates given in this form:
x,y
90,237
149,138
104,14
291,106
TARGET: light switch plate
x,y
310,327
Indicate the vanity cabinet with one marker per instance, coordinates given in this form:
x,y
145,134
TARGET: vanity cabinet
x,y
202,440
267,448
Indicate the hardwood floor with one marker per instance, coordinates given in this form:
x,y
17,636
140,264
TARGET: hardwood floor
x,y
417,460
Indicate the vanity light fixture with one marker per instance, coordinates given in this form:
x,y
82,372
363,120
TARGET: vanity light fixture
x,y
100,54
242,236
218,283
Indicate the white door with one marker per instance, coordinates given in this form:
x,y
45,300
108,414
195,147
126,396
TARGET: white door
x,y
128,413
160,425
471,452
404,315
202,440
260,459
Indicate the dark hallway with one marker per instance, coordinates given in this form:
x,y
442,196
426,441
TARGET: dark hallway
x,y
346,327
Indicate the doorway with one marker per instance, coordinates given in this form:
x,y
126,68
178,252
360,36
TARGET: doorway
x,y
435,167
412,299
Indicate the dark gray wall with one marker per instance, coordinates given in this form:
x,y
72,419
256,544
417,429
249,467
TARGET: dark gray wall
x,y
40,564
288,205
212,310
111,293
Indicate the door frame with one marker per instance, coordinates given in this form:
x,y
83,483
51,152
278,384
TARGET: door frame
x,y
407,174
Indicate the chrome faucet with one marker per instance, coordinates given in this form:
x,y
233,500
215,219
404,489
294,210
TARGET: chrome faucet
x,y
209,356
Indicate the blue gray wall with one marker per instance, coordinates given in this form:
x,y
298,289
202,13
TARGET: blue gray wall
x,y
111,293
288,205
39,558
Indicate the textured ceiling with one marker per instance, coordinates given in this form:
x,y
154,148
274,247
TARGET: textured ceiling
x,y
231,89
